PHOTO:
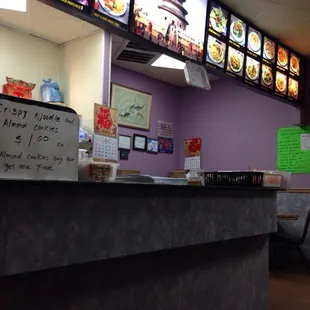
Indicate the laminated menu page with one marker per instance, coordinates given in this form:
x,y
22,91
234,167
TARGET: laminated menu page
x,y
37,141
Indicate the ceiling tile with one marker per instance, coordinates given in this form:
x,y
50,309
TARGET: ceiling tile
x,y
47,23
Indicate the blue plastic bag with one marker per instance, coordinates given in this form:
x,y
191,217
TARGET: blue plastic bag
x,y
50,91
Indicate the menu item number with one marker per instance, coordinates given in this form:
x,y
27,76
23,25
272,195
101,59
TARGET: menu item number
x,y
269,49
218,19
281,82
282,57
235,60
267,76
293,88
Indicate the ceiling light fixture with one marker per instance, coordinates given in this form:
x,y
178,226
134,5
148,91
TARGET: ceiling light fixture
x,y
14,5
165,61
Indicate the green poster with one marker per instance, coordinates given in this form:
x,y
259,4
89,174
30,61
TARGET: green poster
x,y
293,147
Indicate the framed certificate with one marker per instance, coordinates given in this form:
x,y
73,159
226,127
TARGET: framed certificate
x,y
124,142
139,143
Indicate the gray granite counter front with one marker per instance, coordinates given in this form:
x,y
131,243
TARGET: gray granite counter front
x,y
52,224
77,246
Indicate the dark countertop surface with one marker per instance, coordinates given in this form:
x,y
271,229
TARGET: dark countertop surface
x,y
116,183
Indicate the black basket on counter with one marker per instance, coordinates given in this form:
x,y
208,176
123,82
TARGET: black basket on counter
x,y
234,178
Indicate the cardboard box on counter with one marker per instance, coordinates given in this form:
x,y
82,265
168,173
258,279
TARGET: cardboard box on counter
x,y
177,174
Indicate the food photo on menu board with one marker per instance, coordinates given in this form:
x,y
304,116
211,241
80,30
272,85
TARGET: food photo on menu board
x,y
293,88
282,58
235,61
267,77
117,10
269,50
295,64
216,51
254,41
176,25
237,31
252,68
218,18
83,2
281,83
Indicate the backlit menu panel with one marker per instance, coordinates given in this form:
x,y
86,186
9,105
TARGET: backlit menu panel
x,y
281,83
235,61
237,31
294,65
282,58
178,26
245,52
267,78
254,41
216,52
218,19
115,12
252,70
269,51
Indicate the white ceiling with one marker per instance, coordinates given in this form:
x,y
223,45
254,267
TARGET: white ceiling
x,y
286,20
46,22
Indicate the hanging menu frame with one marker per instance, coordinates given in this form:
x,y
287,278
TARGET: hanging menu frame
x,y
258,85
263,66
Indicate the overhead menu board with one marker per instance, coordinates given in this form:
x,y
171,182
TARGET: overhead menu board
x,y
178,26
115,12
37,141
293,148
246,53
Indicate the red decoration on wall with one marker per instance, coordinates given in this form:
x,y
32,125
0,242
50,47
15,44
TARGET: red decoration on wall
x,y
105,121
192,147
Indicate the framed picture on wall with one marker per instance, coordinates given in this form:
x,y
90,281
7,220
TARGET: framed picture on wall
x,y
124,142
134,107
139,143
152,146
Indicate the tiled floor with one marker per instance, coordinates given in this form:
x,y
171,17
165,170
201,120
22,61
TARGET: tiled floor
x,y
290,291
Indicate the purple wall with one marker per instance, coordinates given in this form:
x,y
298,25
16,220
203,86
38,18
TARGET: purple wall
x,y
165,107
238,127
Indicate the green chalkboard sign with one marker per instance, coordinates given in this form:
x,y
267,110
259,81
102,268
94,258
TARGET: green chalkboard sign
x,y
294,149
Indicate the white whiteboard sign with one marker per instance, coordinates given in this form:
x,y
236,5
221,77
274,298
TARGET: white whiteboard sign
x,y
37,143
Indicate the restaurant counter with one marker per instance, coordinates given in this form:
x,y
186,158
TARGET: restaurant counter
x,y
132,246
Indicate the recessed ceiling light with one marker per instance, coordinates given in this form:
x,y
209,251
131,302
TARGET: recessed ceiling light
x,y
165,61
15,5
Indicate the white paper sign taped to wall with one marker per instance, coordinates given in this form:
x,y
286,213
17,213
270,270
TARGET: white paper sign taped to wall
x,y
37,142
305,142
